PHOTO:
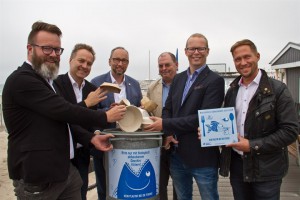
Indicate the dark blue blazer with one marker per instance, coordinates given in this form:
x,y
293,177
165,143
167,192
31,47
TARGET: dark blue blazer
x,y
133,90
182,119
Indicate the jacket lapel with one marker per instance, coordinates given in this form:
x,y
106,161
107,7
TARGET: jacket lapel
x,y
67,85
198,83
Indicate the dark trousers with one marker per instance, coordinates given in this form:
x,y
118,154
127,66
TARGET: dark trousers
x,y
164,175
68,189
98,157
268,190
82,162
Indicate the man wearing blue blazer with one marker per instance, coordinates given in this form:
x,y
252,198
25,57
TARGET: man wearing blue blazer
x,y
130,89
194,89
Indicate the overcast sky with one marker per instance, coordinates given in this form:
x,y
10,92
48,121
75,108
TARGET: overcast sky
x,y
143,26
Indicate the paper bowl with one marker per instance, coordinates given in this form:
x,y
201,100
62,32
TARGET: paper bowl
x,y
124,102
144,112
146,122
148,104
132,120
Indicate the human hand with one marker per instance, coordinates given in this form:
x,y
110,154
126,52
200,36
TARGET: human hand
x,y
95,97
101,142
113,105
155,126
242,145
168,140
199,133
115,113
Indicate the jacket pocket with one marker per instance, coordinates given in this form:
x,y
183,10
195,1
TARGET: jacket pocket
x,y
265,117
272,165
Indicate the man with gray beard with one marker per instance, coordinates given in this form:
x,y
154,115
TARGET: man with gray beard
x,y
40,140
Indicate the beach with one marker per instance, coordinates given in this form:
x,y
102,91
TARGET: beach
x,y
6,187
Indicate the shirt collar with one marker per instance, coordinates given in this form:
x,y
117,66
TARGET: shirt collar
x,y
256,80
198,71
113,80
74,83
164,84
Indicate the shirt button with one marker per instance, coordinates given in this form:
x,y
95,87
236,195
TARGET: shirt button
x,y
256,147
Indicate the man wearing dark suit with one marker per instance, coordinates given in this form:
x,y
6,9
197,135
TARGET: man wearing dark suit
x,y
40,144
75,89
130,89
196,88
158,92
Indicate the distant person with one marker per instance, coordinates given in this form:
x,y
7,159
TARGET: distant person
x,y
75,89
266,123
158,92
194,89
40,144
130,89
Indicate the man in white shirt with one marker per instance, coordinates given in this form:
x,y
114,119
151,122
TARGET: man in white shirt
x,y
266,123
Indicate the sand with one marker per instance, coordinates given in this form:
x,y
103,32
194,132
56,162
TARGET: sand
x,y
6,187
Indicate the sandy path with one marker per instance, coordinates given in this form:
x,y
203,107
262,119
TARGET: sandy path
x,y
6,187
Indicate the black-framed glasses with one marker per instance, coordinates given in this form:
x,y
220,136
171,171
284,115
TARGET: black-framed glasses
x,y
199,49
48,50
118,60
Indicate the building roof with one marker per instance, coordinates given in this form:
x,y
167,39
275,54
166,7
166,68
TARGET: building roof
x,y
288,57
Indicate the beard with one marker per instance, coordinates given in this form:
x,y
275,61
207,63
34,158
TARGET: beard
x,y
47,71
119,72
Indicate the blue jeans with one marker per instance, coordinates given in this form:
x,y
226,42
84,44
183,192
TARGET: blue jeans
x,y
182,175
268,190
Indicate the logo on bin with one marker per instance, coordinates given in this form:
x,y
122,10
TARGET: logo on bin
x,y
137,185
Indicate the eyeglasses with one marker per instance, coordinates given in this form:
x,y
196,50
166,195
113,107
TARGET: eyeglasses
x,y
199,49
118,60
48,50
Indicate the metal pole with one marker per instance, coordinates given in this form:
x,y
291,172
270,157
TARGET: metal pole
x,y
149,65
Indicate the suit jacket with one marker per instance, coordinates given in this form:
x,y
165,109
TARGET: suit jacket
x,y
206,92
133,90
154,93
36,119
63,86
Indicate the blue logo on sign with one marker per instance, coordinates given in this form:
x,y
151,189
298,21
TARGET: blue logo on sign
x,y
137,185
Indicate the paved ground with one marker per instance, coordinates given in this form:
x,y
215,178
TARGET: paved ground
x,y
290,189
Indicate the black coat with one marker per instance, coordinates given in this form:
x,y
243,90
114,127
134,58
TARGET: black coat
x,y
271,125
36,119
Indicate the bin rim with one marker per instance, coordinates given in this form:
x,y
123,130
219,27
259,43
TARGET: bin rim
x,y
119,132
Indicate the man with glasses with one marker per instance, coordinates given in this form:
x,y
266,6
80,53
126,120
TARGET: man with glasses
x,y
38,121
130,89
193,89
158,92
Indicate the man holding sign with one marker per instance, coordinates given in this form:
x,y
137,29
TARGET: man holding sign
x,y
266,123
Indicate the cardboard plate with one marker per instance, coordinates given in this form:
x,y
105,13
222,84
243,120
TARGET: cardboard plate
x,y
110,87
